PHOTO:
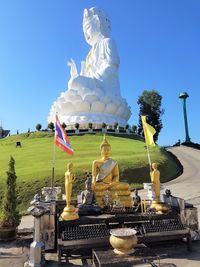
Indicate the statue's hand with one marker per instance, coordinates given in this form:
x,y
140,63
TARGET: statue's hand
x,y
73,71
93,181
93,187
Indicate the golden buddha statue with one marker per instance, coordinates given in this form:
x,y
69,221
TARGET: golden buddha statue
x,y
69,212
105,176
155,179
156,204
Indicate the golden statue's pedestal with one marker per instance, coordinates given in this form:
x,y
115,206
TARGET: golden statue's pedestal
x,y
159,206
69,213
124,197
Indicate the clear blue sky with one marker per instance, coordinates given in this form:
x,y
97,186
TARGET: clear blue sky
x,y
158,43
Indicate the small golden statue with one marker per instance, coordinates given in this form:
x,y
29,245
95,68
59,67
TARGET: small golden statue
x,y
69,212
105,176
155,179
159,206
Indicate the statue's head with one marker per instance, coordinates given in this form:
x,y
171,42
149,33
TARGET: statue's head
x,y
105,147
136,192
168,192
154,166
96,25
69,166
88,184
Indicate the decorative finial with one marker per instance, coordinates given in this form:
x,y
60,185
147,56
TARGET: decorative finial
x,y
104,142
69,166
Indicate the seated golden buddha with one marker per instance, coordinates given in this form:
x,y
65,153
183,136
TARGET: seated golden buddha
x,y
105,176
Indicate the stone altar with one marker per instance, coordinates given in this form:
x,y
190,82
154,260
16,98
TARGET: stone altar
x,y
94,94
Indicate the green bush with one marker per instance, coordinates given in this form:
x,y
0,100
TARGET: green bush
x,y
134,128
77,125
127,126
90,125
64,125
51,126
116,125
9,214
38,127
103,125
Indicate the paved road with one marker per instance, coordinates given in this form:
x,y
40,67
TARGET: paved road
x,y
187,185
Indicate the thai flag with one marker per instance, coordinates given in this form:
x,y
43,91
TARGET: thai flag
x,y
61,139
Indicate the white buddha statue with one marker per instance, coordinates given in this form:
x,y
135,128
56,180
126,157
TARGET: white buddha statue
x,y
100,70
94,94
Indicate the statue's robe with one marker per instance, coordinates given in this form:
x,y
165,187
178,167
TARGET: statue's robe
x,y
102,65
105,169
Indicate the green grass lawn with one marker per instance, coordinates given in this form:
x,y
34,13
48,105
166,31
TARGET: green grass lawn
x,y
33,161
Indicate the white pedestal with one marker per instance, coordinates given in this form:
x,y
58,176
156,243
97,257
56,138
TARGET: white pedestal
x,y
150,190
51,193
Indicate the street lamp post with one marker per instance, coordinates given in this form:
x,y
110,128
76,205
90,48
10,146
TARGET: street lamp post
x,y
183,96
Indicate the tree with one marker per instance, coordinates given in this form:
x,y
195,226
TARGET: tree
x,y
127,126
90,125
38,127
77,125
51,126
64,125
150,106
103,125
134,128
10,215
116,125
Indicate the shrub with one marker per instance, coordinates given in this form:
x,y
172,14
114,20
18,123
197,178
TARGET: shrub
x,y
10,217
127,126
64,125
90,125
134,128
38,127
103,125
116,125
51,126
77,125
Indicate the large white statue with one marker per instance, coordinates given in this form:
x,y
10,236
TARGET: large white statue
x,y
94,94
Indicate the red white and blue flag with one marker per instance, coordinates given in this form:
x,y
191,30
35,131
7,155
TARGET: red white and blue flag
x,y
61,138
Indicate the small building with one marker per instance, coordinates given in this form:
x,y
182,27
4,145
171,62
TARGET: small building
x,y
4,133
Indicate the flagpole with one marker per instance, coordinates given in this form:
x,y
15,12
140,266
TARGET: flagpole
x,y
145,137
53,164
149,159
53,160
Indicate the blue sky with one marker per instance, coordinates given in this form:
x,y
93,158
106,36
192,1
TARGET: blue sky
x,y
158,43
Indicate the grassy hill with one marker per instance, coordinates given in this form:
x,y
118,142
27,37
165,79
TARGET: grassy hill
x,y
34,161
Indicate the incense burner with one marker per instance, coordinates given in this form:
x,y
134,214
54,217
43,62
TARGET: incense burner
x,y
123,240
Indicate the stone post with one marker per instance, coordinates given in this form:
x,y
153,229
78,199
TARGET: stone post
x,y
37,247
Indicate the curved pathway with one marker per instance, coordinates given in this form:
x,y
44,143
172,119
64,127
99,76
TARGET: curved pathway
x,y
187,185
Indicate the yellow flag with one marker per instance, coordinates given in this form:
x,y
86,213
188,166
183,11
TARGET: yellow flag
x,y
149,131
